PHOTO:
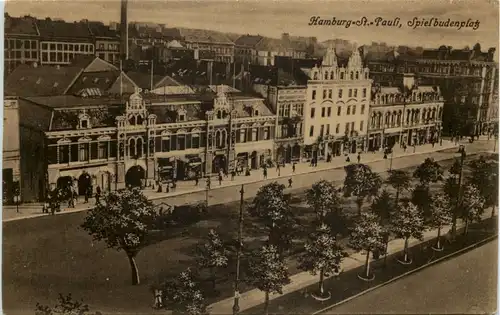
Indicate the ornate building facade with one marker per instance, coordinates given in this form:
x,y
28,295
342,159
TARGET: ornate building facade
x,y
400,116
337,106
143,139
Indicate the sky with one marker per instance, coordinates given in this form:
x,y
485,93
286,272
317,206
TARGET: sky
x,y
272,18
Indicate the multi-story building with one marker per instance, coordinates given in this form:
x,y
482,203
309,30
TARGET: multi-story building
x,y
61,42
465,77
406,115
116,142
11,159
337,106
107,42
21,42
260,50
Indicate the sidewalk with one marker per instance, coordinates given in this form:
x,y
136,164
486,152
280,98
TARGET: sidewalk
x,y
188,187
302,280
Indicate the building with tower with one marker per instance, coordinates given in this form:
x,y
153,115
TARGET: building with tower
x,y
337,106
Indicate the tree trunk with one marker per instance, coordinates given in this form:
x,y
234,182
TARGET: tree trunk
x,y
266,304
493,211
438,243
321,283
214,278
367,264
386,250
406,249
397,197
135,271
359,203
466,228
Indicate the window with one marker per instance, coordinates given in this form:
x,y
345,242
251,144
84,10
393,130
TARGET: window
x,y
337,128
328,129
311,131
322,112
361,125
339,111
330,92
312,112
64,153
313,95
324,94
195,141
243,133
346,128
354,109
255,134
340,93
266,133
322,130
350,92
329,111
102,151
181,142
83,149
352,126
362,109
348,110
364,92
355,92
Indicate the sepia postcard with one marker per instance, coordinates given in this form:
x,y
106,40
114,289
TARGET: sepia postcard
x,y
250,157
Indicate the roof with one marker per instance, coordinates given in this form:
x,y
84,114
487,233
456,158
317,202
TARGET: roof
x,y
143,80
98,29
20,25
174,44
50,28
68,101
166,115
101,81
272,44
205,36
225,88
40,81
244,106
248,40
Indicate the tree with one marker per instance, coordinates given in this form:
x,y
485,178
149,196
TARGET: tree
x,y
407,222
421,197
383,207
183,296
272,207
440,210
66,306
323,198
484,176
428,172
399,180
322,254
472,206
123,220
367,235
362,182
268,272
213,255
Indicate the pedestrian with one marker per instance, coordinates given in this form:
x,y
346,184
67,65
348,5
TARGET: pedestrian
x,y
293,167
278,169
290,182
167,188
265,173
174,185
233,173
359,158
208,183
158,299
196,180
348,159
86,195
97,194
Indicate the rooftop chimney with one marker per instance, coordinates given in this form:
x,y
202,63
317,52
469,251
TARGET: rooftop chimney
x,y
124,30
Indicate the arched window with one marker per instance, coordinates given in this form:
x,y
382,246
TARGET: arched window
x,y
195,139
440,113
132,148
243,133
357,75
63,146
83,149
387,119
131,120
331,75
140,120
315,76
139,147
255,134
165,141
219,114
326,75
408,113
352,75
103,147
342,76
266,133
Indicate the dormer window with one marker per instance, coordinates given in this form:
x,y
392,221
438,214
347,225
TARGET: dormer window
x,y
182,117
256,113
181,114
84,121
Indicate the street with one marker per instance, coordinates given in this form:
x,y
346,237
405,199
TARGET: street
x,y
466,284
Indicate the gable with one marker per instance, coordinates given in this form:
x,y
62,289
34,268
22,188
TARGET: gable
x,y
99,65
127,85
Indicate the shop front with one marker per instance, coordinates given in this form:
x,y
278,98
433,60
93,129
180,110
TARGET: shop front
x,y
166,170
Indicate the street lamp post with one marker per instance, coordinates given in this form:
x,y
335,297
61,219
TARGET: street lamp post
x,y
236,305
461,150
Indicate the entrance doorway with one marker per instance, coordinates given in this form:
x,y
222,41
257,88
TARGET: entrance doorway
x,y
219,163
84,182
135,176
254,160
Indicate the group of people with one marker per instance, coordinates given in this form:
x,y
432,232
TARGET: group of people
x,y
70,194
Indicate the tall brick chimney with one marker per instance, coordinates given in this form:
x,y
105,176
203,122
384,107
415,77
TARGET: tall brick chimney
x,y
124,30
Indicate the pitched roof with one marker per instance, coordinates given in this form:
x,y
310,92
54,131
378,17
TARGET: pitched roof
x,y
244,106
206,36
40,81
20,25
143,80
272,44
68,101
50,28
101,81
248,40
98,29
